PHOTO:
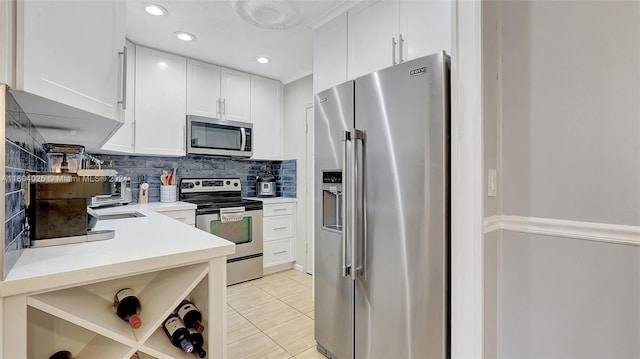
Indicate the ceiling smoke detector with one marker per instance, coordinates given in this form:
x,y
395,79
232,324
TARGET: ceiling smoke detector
x,y
268,14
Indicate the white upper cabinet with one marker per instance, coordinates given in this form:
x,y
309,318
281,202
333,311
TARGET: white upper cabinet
x,y
379,34
68,52
266,116
330,54
217,92
203,89
123,140
235,89
373,37
160,110
425,27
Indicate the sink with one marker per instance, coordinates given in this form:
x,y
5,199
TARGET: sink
x,y
123,215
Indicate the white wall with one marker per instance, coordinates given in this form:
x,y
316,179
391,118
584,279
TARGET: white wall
x,y
298,95
567,88
7,42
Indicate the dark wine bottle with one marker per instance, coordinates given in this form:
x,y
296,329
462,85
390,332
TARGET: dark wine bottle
x,y
63,354
127,307
177,333
198,341
190,315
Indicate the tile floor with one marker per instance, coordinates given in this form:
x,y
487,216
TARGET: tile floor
x,y
272,317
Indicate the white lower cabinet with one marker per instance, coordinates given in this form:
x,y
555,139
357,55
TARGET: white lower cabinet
x,y
279,234
82,319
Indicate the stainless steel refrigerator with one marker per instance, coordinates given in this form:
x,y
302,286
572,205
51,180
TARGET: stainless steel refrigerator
x,y
382,213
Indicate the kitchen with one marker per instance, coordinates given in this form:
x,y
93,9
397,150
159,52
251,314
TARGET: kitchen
x,y
511,229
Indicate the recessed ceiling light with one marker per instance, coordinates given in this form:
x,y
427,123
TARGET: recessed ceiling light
x,y
262,60
185,36
155,9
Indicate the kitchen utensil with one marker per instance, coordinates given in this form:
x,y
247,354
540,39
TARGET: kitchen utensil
x,y
173,177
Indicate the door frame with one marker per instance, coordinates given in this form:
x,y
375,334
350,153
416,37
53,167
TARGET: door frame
x,y
310,207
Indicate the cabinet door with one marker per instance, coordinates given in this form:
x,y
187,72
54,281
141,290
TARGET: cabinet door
x,y
203,89
425,27
123,139
372,30
160,110
266,116
236,95
330,54
68,52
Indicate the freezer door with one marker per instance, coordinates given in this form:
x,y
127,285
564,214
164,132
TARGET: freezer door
x,y
401,294
333,115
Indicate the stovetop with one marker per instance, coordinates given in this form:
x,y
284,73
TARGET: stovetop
x,y
211,194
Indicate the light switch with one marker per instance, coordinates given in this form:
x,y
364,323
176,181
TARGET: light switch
x,y
492,183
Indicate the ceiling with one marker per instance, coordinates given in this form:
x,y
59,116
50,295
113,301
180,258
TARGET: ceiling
x,y
224,38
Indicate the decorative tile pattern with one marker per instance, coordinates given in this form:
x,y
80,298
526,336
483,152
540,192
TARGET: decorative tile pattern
x,y
24,155
202,166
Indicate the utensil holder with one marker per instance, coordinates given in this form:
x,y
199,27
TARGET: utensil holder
x,y
168,193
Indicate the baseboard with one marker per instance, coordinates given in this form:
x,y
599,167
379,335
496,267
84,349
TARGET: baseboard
x,y
590,231
277,268
299,268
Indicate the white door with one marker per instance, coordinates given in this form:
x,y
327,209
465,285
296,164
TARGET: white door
x,y
425,27
373,36
330,54
235,90
308,194
68,52
160,110
123,140
266,116
203,89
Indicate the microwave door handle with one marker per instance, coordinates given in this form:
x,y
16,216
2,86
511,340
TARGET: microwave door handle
x,y
243,142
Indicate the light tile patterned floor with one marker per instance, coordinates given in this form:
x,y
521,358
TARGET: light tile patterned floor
x,y
272,317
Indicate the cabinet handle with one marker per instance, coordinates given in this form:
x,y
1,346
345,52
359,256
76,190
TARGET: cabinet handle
x,y
280,252
123,53
184,137
218,108
401,48
394,43
224,107
279,209
279,228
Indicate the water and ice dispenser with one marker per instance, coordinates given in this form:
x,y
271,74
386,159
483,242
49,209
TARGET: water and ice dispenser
x,y
332,200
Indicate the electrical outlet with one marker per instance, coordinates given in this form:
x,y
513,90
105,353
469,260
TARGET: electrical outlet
x,y
492,183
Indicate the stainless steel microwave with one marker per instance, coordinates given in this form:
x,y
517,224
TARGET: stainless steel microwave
x,y
210,136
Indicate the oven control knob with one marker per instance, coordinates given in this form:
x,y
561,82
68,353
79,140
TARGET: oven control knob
x,y
228,183
235,184
197,183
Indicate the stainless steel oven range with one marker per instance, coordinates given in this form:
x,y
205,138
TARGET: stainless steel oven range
x,y
222,211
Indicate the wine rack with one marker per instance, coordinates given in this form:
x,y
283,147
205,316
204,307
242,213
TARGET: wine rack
x,y
83,321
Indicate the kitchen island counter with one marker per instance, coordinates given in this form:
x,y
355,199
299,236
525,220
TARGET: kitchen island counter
x,y
140,244
65,293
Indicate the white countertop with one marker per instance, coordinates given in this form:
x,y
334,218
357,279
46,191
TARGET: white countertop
x,y
141,244
270,200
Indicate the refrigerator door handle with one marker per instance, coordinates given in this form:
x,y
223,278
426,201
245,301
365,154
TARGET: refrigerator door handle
x,y
345,267
355,136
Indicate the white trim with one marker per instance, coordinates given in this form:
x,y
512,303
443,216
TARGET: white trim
x,y
299,268
590,231
467,206
277,268
334,12
298,76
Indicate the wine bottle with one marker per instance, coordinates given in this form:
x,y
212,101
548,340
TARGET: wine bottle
x,y
63,354
197,340
190,315
127,307
177,333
